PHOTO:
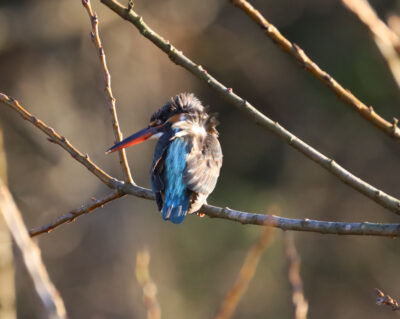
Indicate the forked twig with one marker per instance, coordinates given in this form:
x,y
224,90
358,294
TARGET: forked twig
x,y
300,303
148,286
297,53
246,274
48,294
111,100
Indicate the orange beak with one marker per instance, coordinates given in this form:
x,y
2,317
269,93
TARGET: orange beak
x,y
136,138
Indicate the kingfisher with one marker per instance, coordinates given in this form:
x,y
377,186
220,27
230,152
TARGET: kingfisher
x,y
187,156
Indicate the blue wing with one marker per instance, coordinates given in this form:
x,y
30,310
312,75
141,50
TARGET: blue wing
x,y
172,194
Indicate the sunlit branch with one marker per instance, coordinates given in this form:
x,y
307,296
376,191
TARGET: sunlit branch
x,y
48,294
386,39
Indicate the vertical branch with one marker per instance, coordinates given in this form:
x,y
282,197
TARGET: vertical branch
x,y
7,271
299,302
149,287
246,273
111,100
386,39
52,301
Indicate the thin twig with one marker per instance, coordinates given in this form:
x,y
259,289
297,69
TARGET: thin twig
x,y
259,118
48,294
246,274
386,39
72,215
297,53
384,299
323,227
111,100
300,303
148,286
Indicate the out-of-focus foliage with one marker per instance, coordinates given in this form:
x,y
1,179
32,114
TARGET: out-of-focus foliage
x,y
48,62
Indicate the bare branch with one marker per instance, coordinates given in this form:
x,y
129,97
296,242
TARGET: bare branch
x,y
339,228
52,301
111,100
246,274
307,225
72,215
386,40
297,53
149,287
384,299
299,301
330,165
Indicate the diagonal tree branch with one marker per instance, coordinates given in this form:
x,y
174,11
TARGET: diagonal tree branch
x,y
7,267
385,38
307,225
297,53
246,274
111,100
72,215
383,199
376,26
48,294
56,138
323,227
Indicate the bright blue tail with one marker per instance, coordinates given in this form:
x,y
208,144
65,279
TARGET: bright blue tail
x,y
177,195
174,212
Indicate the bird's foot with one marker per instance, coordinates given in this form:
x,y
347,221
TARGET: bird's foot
x,y
200,214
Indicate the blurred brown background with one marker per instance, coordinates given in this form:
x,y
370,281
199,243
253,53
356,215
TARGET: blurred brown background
x,y
48,62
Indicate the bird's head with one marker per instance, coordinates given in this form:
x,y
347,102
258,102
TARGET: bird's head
x,y
179,109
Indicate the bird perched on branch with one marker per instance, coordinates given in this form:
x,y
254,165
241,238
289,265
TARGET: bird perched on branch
x,y
187,158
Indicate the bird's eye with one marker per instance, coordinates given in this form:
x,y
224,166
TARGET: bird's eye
x,y
156,123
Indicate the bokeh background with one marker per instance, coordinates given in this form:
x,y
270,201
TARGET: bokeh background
x,y
47,61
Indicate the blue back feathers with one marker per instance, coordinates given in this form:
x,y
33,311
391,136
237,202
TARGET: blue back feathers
x,y
177,195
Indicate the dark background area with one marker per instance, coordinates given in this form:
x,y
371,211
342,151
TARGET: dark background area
x,y
47,62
